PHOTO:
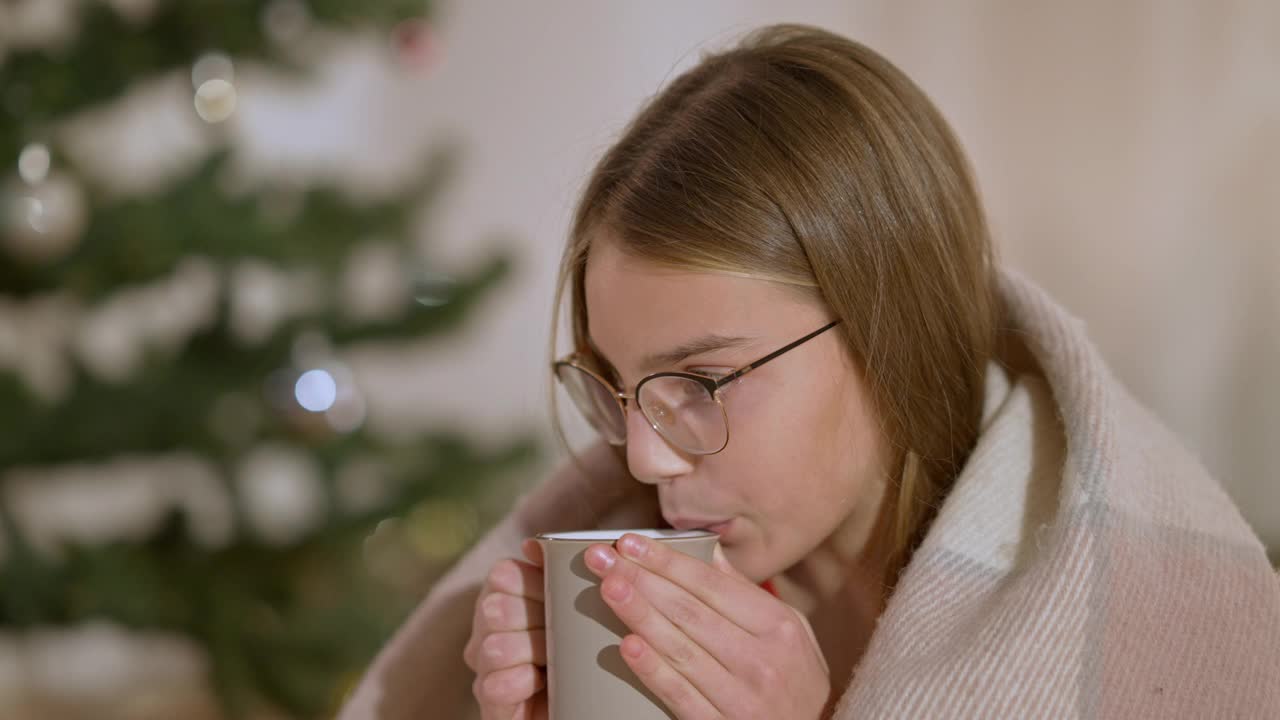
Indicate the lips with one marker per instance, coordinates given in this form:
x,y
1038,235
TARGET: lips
x,y
686,523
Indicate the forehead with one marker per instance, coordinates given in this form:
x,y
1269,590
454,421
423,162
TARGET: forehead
x,y
635,307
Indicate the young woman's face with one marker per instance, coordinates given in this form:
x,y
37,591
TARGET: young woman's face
x,y
805,453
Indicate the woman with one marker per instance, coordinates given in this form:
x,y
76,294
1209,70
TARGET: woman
x,y
933,498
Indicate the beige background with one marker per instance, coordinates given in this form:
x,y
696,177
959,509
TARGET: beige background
x,y
1129,154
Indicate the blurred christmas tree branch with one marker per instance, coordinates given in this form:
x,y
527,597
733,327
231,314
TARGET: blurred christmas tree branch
x,y
133,240
179,392
263,625
111,52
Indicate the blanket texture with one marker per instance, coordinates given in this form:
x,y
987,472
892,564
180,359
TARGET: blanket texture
x,y
1084,565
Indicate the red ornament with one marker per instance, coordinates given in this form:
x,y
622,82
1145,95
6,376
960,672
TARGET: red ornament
x,y
414,43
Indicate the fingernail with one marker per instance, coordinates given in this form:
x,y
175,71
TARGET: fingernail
x,y
633,546
600,559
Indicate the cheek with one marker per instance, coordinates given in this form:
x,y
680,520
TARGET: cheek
x,y
780,451
801,453
785,424
774,410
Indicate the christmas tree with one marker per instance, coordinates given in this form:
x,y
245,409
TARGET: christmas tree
x,y
191,500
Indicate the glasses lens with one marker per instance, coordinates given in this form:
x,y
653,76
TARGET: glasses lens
x,y
686,413
595,401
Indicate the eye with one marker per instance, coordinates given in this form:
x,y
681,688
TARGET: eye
x,y
713,373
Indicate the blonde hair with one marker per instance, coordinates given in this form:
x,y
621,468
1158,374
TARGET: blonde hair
x,y
804,157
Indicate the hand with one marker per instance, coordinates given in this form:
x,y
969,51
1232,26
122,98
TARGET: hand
x,y
508,645
706,640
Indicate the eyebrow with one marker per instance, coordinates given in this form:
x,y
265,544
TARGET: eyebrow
x,y
697,346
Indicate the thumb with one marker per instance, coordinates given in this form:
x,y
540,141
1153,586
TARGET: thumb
x,y
722,563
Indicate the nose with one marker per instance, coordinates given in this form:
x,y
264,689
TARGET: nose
x,y
650,458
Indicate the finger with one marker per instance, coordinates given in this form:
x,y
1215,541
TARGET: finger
x,y
508,649
743,602
532,549
516,577
701,645
500,611
674,690
507,688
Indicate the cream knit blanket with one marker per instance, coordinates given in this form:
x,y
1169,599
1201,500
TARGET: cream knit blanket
x,y
1084,565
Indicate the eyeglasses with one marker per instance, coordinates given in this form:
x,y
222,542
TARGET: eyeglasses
x,y
684,408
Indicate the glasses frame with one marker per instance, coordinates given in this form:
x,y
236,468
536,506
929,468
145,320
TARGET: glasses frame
x,y
712,386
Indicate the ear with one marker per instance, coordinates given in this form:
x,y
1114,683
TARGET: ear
x,y
721,563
